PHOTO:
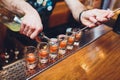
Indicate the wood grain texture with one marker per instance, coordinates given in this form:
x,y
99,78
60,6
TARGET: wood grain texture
x,y
99,60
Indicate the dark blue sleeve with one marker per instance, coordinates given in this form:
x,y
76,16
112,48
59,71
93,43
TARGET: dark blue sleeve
x,y
43,9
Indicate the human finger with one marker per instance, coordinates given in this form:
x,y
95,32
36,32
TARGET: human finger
x,y
34,34
101,19
111,14
89,23
30,31
22,28
93,19
26,28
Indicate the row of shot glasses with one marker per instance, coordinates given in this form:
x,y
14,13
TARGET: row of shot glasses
x,y
56,48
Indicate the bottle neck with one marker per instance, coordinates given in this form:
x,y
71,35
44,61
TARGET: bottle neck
x,y
42,37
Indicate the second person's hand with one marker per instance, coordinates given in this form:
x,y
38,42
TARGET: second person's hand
x,y
31,25
95,17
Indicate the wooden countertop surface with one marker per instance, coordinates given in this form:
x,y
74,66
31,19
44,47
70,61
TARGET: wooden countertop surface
x,y
99,60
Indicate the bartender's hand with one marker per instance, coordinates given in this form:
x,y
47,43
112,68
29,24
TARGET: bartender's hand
x,y
31,25
95,17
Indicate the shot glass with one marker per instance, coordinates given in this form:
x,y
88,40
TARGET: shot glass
x,y
70,42
62,44
30,53
78,34
43,50
53,49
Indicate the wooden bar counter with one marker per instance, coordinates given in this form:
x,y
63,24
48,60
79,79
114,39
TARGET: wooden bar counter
x,y
99,60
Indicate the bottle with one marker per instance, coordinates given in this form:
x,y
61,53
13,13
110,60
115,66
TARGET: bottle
x,y
42,37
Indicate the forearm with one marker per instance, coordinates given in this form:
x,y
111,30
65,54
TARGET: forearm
x,y
18,6
76,7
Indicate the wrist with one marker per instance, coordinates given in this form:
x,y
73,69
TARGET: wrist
x,y
31,11
28,9
80,16
19,9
